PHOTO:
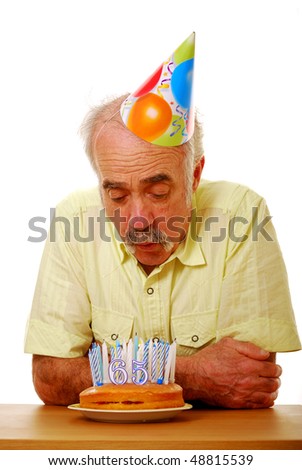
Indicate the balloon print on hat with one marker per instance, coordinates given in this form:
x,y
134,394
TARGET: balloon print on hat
x,y
181,83
160,111
149,117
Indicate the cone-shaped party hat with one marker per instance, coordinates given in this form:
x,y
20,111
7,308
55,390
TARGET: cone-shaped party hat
x,y
161,110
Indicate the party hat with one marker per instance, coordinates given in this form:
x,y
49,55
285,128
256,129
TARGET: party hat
x,y
161,110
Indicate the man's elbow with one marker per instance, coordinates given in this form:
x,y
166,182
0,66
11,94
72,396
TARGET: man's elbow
x,y
46,388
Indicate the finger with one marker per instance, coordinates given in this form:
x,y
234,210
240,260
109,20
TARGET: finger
x,y
269,369
252,385
257,399
248,349
268,385
262,400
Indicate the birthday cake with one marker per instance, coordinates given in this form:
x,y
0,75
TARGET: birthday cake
x,y
133,376
129,396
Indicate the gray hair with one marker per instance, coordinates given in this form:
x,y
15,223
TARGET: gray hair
x,y
108,110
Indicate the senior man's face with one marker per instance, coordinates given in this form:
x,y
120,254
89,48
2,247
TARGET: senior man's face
x,y
143,187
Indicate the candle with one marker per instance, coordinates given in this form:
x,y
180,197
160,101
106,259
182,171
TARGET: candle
x,y
112,353
135,346
161,362
105,363
129,359
150,358
124,351
118,349
100,362
95,364
91,367
146,354
99,365
154,362
140,352
168,366
173,362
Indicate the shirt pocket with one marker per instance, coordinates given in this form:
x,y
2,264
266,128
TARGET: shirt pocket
x,y
110,325
193,330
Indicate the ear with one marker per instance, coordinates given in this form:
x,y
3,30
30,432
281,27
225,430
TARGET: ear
x,y
197,173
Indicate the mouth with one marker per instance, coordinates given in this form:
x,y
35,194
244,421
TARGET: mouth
x,y
146,246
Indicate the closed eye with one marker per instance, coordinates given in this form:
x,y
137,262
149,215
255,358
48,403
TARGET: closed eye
x,y
158,190
118,199
116,195
159,196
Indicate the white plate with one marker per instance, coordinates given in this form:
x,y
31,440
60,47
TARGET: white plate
x,y
130,416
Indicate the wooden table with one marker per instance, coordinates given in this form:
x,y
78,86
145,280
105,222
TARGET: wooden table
x,y
54,427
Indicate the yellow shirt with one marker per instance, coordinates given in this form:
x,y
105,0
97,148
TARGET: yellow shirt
x,y
227,279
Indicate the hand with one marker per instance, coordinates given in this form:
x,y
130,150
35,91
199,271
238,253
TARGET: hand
x,y
230,374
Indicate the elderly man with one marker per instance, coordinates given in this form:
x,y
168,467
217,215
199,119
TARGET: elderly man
x,y
155,250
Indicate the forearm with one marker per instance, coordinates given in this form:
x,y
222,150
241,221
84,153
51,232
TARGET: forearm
x,y
59,381
185,375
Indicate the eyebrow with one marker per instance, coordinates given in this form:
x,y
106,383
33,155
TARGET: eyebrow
x,y
107,184
157,178
113,184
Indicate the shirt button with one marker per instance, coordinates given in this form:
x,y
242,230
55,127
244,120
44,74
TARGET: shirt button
x,y
150,290
114,336
195,338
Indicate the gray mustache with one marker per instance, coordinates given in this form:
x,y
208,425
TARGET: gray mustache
x,y
149,235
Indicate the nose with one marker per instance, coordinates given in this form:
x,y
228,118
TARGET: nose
x,y
140,215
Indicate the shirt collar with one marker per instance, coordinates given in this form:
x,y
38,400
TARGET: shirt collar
x,y
190,251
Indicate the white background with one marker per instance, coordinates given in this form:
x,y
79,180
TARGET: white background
x,y
59,57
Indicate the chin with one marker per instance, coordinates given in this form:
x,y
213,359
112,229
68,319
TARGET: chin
x,y
153,256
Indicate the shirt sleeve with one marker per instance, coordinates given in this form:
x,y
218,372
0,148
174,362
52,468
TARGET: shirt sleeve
x,y
255,299
60,318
